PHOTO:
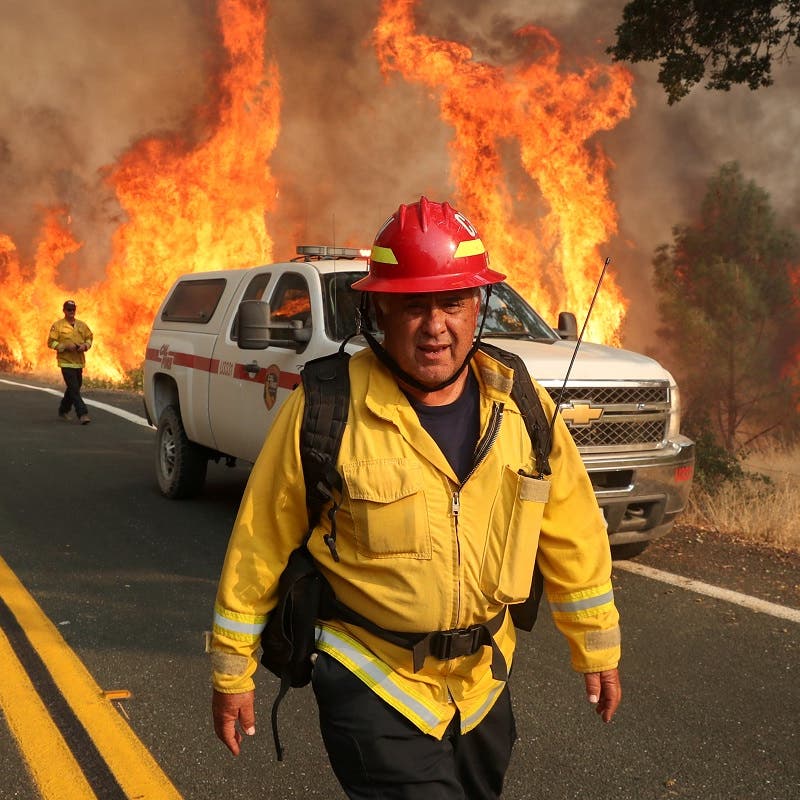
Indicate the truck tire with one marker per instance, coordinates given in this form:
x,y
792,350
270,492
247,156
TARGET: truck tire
x,y
180,464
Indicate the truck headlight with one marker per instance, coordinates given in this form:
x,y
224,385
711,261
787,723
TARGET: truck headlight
x,y
674,410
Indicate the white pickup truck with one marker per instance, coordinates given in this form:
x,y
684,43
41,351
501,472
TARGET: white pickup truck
x,y
211,398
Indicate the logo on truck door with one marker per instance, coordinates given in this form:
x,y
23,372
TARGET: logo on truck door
x,y
166,356
271,385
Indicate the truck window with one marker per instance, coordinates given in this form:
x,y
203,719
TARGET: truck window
x,y
194,301
510,316
255,289
341,303
290,301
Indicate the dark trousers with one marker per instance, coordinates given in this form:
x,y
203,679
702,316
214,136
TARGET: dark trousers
x,y
376,752
73,378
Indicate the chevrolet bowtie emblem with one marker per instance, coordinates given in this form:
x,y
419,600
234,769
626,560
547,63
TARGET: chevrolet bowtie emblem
x,y
580,414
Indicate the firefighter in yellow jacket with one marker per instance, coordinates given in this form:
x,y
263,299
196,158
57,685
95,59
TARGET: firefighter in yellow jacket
x,y
71,338
442,517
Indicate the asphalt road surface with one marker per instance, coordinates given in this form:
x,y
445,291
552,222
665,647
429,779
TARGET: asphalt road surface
x,y
711,700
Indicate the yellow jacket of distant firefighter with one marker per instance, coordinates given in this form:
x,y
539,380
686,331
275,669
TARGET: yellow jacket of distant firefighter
x,y
419,552
62,334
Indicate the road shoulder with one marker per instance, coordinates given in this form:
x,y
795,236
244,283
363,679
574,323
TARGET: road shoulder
x,y
728,561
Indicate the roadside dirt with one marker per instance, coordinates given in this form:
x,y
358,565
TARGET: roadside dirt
x,y
727,561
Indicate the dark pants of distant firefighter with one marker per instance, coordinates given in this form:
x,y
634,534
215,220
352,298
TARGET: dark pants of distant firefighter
x,y
73,378
376,752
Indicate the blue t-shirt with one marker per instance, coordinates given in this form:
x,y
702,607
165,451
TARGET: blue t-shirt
x,y
455,427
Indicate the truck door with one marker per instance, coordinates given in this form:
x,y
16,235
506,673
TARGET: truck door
x,y
249,386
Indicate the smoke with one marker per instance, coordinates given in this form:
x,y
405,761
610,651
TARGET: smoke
x,y
84,80
353,145
81,81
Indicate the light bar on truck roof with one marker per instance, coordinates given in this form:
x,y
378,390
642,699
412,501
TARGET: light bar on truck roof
x,y
325,251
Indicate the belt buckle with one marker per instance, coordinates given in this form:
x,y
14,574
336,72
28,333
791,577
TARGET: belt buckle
x,y
450,644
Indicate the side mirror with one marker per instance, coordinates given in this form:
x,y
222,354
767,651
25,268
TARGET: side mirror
x,y
567,326
258,331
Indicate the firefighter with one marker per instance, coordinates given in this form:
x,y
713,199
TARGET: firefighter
x,y
71,338
443,514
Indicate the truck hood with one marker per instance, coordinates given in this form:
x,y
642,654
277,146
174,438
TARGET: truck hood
x,y
548,362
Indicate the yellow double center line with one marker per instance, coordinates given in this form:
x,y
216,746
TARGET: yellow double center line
x,y
74,741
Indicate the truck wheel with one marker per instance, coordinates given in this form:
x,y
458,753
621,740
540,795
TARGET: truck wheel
x,y
180,464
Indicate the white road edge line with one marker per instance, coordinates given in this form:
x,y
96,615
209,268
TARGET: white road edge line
x,y
728,595
135,418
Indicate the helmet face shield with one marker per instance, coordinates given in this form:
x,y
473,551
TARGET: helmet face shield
x,y
427,247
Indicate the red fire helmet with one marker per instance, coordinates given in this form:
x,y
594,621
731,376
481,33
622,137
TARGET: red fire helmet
x,y
427,247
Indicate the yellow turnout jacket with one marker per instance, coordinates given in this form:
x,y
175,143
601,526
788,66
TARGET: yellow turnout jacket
x,y
62,334
418,551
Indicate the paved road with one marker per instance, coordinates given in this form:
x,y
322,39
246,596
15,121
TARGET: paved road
x,y
711,705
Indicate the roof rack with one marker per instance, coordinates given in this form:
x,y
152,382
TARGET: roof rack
x,y
314,252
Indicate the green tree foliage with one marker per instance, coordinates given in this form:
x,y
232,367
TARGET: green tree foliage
x,y
734,41
730,312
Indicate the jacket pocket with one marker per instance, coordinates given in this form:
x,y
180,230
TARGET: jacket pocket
x,y
513,537
387,503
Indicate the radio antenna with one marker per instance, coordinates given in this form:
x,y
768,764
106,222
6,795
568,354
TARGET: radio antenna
x,y
577,345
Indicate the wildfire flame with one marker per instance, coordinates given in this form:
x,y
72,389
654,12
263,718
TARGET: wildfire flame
x,y
189,207
555,260
194,205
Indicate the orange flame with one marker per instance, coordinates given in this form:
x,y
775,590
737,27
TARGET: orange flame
x,y
292,306
27,300
199,204
188,208
550,116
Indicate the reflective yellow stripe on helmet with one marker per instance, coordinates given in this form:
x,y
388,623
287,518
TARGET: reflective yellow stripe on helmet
x,y
383,255
470,247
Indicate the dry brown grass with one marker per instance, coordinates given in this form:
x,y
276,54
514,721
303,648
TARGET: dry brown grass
x,y
762,511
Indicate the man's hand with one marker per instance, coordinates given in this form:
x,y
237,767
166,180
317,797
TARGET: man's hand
x,y
604,691
233,713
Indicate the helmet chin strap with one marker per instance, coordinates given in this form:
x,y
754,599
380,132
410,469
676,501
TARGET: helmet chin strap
x,y
399,372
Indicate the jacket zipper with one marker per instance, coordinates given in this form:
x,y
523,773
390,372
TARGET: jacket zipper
x,y
481,451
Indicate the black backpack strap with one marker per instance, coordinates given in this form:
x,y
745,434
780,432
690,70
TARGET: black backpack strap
x,y
530,405
326,382
288,638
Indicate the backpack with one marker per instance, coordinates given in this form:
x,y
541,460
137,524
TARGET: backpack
x,y
304,596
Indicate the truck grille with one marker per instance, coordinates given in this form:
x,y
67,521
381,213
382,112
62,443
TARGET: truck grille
x,y
622,417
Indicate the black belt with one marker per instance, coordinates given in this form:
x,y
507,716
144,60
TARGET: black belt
x,y
443,645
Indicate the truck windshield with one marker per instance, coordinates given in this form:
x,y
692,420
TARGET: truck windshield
x,y
509,316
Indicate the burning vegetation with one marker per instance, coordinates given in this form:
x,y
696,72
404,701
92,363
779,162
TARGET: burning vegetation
x,y
524,167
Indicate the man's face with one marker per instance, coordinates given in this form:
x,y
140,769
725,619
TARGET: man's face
x,y
69,312
429,335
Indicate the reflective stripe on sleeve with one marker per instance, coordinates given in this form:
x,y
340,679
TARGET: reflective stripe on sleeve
x,y
378,676
584,603
242,627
